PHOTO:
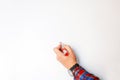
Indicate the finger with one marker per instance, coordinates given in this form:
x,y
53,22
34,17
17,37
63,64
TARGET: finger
x,y
68,48
57,51
59,46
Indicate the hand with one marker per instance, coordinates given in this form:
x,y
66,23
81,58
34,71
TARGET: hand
x,y
67,61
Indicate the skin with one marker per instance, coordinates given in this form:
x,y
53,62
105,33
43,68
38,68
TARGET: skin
x,y
67,61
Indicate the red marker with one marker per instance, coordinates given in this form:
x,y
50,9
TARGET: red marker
x,y
65,52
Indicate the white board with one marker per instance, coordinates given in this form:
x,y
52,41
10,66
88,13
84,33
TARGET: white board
x,y
30,29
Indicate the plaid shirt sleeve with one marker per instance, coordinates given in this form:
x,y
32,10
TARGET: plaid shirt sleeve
x,y
81,74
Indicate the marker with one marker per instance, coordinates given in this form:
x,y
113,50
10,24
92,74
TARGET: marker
x,y
65,52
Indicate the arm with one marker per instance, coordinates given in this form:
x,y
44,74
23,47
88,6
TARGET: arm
x,y
70,63
81,74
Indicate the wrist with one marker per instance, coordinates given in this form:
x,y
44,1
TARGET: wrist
x,y
74,66
71,64
73,69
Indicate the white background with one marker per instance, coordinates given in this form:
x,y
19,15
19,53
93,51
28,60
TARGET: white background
x,y
30,29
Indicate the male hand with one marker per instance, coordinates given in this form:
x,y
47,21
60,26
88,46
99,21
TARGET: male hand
x,y
69,60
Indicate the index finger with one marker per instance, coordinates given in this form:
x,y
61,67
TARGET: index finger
x,y
57,51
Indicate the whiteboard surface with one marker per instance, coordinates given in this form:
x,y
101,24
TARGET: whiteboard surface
x,y
30,29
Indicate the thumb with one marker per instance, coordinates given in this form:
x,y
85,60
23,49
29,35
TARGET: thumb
x,y
68,48
57,51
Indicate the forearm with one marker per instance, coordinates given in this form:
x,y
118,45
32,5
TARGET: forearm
x,y
81,74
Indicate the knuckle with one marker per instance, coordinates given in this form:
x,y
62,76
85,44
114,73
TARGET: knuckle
x,y
68,45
